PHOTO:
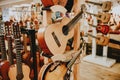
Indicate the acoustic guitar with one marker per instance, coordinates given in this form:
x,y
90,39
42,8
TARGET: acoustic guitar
x,y
8,32
58,70
26,54
106,5
48,3
104,17
18,71
4,65
53,39
101,40
104,29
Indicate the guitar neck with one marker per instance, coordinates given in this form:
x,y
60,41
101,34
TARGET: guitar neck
x,y
92,36
93,25
25,43
69,65
3,48
71,24
92,14
10,50
94,3
19,60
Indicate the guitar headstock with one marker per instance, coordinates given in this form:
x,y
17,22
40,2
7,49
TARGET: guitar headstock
x,y
1,28
8,30
16,30
83,8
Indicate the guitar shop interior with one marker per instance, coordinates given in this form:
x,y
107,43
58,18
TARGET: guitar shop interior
x,y
59,39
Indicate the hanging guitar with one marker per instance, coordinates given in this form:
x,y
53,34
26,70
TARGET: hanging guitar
x,y
104,29
8,32
59,70
53,39
4,64
48,3
19,70
103,17
100,39
106,6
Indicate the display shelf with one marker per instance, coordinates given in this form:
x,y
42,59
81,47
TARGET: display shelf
x,y
103,61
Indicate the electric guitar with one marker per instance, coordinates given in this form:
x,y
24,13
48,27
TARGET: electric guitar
x,y
58,70
106,6
101,40
18,71
53,39
4,64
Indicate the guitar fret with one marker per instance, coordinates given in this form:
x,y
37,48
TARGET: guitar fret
x,y
3,48
10,50
18,56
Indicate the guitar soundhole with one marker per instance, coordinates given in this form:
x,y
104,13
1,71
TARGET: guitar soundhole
x,y
19,76
65,30
56,39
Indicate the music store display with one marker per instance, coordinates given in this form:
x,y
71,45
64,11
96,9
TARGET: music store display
x,y
27,46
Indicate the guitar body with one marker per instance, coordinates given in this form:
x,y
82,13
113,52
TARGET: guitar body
x,y
106,6
52,38
102,40
57,74
48,3
104,17
104,29
13,72
4,67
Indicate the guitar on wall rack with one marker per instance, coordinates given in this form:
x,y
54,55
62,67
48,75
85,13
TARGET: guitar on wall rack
x,y
104,17
58,69
100,39
106,6
53,39
19,70
104,29
4,64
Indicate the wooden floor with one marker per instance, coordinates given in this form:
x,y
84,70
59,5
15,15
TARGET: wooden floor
x,y
90,71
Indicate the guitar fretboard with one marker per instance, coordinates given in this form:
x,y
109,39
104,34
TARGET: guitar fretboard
x,y
10,53
18,59
3,48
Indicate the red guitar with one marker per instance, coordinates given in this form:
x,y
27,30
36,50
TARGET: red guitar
x,y
53,39
48,3
104,29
